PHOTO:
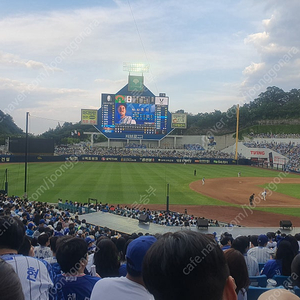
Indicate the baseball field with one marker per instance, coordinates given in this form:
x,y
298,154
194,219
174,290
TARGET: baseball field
x,y
223,196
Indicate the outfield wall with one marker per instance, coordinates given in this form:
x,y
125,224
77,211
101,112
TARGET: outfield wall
x,y
99,158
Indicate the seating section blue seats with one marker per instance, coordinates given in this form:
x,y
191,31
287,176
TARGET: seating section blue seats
x,y
282,280
260,281
254,292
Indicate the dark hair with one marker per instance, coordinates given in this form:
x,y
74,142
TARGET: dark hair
x,y
10,285
70,253
121,241
238,268
241,243
12,233
271,235
295,270
43,239
184,265
25,247
58,226
286,254
225,239
253,240
53,241
106,258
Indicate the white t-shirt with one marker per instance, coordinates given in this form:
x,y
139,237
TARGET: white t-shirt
x,y
42,252
119,288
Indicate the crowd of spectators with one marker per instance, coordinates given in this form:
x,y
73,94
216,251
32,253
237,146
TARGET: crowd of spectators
x,y
275,135
195,147
290,150
144,152
47,253
134,145
159,217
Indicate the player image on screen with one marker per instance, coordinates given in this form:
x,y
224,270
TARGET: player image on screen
x,y
127,115
121,117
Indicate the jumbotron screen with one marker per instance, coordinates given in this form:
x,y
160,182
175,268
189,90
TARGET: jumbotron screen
x,y
134,117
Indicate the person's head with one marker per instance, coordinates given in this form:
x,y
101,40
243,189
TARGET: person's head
x,y
12,233
43,239
106,258
53,241
71,255
26,248
89,241
121,241
226,240
271,236
238,268
262,240
253,240
136,252
59,226
241,243
285,253
42,223
122,110
10,285
187,265
278,294
31,226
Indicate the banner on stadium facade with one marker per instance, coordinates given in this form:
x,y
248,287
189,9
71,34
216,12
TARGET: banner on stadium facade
x,y
179,121
89,116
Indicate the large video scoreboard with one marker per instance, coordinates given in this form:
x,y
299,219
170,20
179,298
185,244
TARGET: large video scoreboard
x,y
129,115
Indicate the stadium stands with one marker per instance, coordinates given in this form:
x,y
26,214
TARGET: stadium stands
x,y
290,150
50,219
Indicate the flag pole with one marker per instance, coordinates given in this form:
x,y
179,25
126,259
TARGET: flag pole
x,y
237,131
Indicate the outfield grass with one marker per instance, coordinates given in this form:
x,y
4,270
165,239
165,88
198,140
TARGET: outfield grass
x,y
290,189
281,210
121,182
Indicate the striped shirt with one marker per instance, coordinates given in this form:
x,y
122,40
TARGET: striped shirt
x,y
262,254
252,265
36,276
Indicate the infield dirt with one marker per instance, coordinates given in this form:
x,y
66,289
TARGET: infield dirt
x,y
237,191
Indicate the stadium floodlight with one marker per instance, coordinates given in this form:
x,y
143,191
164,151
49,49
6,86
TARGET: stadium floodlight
x,y
136,67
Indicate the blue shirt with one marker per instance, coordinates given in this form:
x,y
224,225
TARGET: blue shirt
x,y
272,267
77,287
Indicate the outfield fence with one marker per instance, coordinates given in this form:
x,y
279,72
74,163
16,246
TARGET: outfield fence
x,y
111,158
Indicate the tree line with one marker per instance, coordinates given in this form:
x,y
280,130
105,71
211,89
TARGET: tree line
x,y
273,104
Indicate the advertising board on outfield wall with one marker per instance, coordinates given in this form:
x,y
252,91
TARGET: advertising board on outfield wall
x,y
108,158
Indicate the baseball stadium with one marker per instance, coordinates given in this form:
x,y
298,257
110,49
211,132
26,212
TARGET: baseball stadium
x,y
144,167
121,182
145,183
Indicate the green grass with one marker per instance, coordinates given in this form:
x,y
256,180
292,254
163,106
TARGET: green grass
x,y
282,210
122,182
290,189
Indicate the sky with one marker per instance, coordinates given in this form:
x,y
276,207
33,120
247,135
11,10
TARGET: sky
x,y
57,57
